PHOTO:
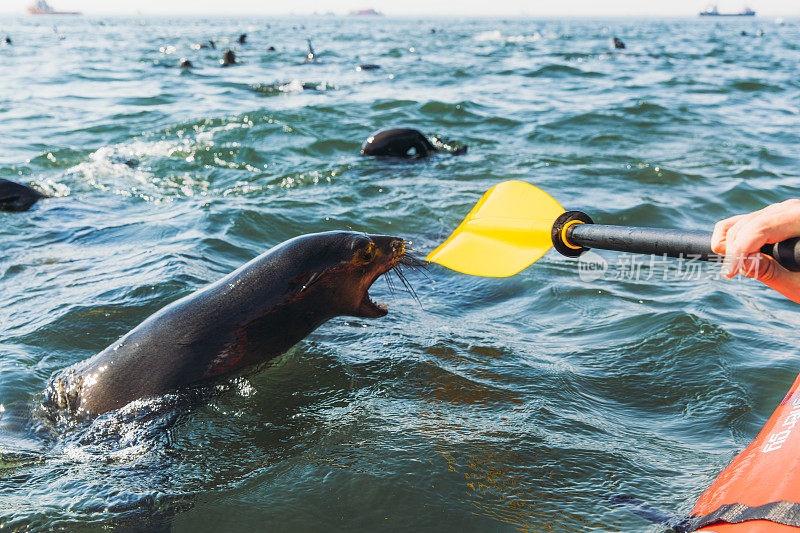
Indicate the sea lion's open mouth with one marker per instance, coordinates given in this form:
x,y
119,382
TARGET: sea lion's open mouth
x,y
372,309
396,257
369,307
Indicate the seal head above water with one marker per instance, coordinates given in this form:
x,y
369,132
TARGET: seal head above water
x,y
228,58
404,142
17,197
250,316
311,56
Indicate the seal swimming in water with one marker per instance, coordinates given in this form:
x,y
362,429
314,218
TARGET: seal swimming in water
x,y
618,44
16,197
311,57
200,46
250,316
228,58
399,142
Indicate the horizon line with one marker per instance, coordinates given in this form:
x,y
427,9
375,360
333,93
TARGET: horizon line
x,y
405,15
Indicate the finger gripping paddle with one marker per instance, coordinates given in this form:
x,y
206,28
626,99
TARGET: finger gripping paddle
x,y
515,223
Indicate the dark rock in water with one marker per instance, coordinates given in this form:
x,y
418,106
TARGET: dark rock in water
x,y
16,197
618,44
242,38
368,66
228,58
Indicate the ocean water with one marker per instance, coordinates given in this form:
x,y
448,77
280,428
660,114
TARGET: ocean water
x,y
518,404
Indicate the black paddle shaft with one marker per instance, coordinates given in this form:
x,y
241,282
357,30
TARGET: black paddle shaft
x,y
656,241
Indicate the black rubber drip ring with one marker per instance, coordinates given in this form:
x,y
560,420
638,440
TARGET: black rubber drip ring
x,y
556,234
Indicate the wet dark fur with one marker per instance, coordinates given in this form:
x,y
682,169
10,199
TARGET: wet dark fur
x,y
400,142
16,197
252,315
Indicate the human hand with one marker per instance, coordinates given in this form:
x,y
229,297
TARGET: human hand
x,y
740,238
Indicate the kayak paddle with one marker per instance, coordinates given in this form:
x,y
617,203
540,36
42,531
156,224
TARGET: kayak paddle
x,y
515,223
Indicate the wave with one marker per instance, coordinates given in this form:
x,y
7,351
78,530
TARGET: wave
x,y
556,71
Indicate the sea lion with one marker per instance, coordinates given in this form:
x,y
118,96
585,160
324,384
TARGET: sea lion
x,y
400,142
16,197
185,63
199,46
368,66
618,44
250,316
311,57
228,58
242,38
7,40
271,49
131,162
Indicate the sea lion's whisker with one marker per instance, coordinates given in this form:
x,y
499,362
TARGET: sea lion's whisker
x,y
415,264
410,259
407,285
390,284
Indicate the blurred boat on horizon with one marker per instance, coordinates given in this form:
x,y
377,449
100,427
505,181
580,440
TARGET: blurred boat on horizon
x,y
370,12
712,11
43,8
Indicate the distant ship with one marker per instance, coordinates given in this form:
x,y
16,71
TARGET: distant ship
x,y
714,12
43,8
365,12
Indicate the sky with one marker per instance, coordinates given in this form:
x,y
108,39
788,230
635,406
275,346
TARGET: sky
x,y
534,8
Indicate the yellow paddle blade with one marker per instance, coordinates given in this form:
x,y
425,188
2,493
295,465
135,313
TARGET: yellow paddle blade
x,y
506,231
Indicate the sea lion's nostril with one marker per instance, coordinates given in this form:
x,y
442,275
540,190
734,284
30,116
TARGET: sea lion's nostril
x,y
398,247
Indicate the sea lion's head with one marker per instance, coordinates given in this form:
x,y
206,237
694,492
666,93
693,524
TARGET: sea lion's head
x,y
228,58
341,266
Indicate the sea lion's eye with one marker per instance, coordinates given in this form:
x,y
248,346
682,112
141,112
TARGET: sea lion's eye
x,y
368,253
